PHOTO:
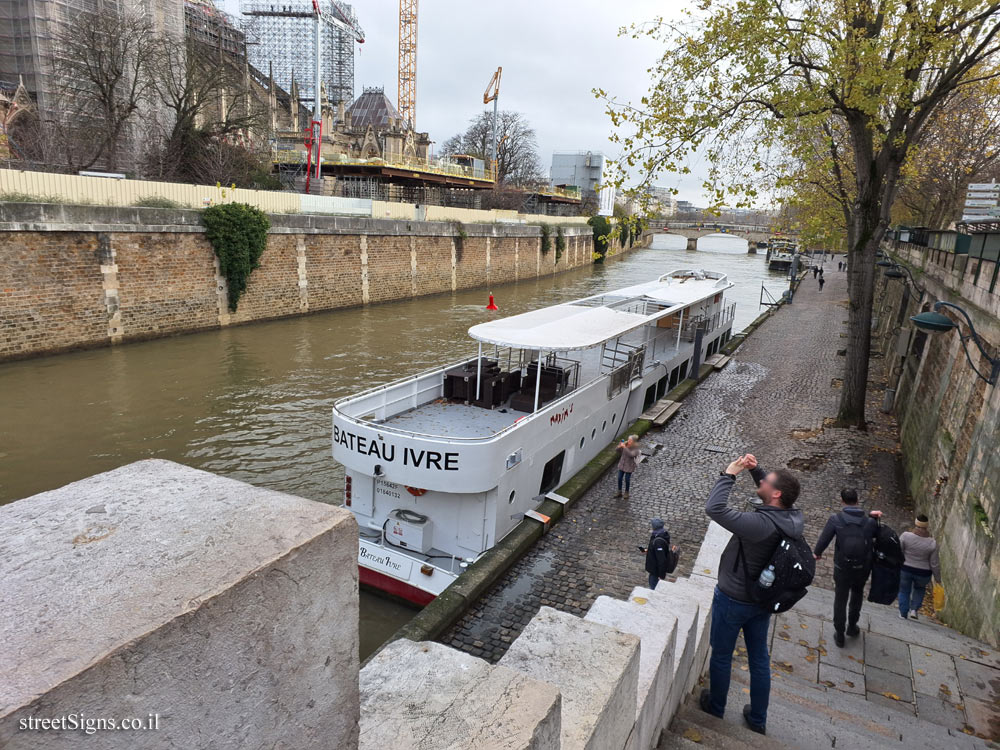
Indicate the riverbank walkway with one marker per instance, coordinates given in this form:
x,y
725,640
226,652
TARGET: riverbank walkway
x,y
776,398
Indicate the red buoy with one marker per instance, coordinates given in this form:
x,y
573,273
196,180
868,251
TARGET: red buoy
x,y
492,305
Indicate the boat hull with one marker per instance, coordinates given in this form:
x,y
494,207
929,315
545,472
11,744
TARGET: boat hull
x,y
394,587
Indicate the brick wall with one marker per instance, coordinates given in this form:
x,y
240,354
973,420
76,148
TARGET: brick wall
x,y
97,276
949,426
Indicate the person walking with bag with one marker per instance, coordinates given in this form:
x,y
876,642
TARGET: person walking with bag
x,y
920,562
626,464
852,561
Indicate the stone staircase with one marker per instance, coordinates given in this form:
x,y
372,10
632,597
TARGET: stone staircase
x,y
901,683
626,676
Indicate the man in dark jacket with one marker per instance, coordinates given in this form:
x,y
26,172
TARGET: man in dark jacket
x,y
657,553
852,560
732,607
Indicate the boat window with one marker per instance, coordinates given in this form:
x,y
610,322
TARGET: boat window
x,y
552,473
614,418
510,499
604,425
650,398
593,433
581,441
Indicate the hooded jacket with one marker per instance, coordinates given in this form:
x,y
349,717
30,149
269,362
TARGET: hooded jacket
x,y
656,553
757,532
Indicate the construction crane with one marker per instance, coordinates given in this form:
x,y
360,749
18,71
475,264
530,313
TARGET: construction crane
x,y
338,17
407,98
492,94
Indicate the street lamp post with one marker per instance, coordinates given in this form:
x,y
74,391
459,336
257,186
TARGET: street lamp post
x,y
936,322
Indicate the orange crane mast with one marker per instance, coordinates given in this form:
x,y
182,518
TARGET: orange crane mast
x,y
407,99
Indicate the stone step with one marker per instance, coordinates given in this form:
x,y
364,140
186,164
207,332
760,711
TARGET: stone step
x,y
884,620
719,732
685,611
670,741
420,695
657,639
594,667
836,706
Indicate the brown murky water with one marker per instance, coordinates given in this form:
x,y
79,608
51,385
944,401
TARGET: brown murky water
x,y
253,402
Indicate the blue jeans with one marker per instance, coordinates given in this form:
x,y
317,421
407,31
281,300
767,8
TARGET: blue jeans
x,y
653,580
627,475
729,617
918,583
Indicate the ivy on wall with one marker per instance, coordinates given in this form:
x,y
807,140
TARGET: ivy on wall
x,y
560,242
238,233
546,239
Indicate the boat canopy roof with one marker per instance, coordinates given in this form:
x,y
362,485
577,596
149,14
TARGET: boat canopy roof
x,y
591,321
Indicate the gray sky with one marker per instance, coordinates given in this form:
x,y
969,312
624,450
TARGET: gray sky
x,y
553,52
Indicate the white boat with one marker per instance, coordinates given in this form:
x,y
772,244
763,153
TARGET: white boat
x,y
441,465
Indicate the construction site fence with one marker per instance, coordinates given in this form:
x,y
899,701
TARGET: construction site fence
x,y
49,187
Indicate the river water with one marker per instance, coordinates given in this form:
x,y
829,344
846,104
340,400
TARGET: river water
x,y
254,402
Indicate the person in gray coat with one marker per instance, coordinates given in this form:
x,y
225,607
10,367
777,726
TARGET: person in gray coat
x,y
757,532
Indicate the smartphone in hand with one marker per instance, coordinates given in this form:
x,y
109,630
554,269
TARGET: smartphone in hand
x,y
642,550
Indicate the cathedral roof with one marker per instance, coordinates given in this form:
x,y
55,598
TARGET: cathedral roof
x,y
373,108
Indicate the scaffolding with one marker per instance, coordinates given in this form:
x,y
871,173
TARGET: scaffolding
x,y
280,34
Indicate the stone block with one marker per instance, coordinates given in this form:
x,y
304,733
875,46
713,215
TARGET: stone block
x,y
596,668
715,541
887,653
686,610
934,674
657,635
425,696
704,595
229,611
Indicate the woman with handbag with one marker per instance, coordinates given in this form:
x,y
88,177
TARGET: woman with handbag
x,y
920,562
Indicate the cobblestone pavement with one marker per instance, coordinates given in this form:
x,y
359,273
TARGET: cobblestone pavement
x,y
774,399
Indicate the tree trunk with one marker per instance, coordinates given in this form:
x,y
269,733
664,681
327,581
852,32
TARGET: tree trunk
x,y
861,292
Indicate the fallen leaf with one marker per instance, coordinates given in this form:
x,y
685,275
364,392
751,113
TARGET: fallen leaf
x,y
746,690
803,642
921,672
803,626
692,734
829,684
784,636
810,658
640,600
848,683
786,626
744,668
892,696
822,650
945,689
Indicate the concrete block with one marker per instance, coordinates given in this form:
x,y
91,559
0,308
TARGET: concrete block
x,y
704,595
707,562
227,610
430,697
657,635
685,609
596,668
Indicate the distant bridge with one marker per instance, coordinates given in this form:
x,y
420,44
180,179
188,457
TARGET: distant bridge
x,y
752,233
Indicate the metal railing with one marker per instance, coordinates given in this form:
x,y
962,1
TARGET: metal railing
x,y
620,377
429,166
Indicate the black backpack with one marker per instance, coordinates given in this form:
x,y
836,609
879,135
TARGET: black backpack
x,y
886,562
794,568
672,557
854,548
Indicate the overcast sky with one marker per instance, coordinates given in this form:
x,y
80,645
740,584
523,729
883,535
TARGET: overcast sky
x,y
553,52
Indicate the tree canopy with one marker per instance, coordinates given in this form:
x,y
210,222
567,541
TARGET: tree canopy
x,y
517,150
787,97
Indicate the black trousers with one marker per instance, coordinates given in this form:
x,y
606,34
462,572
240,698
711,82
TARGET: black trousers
x,y
849,591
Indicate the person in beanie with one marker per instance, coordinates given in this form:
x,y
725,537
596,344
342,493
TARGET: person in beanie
x,y
657,553
626,464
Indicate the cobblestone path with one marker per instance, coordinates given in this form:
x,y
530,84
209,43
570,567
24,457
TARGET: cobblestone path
x,y
774,399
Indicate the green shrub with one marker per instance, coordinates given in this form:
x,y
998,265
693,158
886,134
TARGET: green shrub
x,y
460,237
546,239
560,242
602,236
157,201
238,234
16,197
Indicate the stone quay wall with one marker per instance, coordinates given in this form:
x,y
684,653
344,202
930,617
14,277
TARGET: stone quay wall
x,y
949,421
84,276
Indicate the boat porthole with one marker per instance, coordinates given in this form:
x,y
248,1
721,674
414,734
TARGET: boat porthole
x,y
604,426
613,418
593,433
510,499
581,441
